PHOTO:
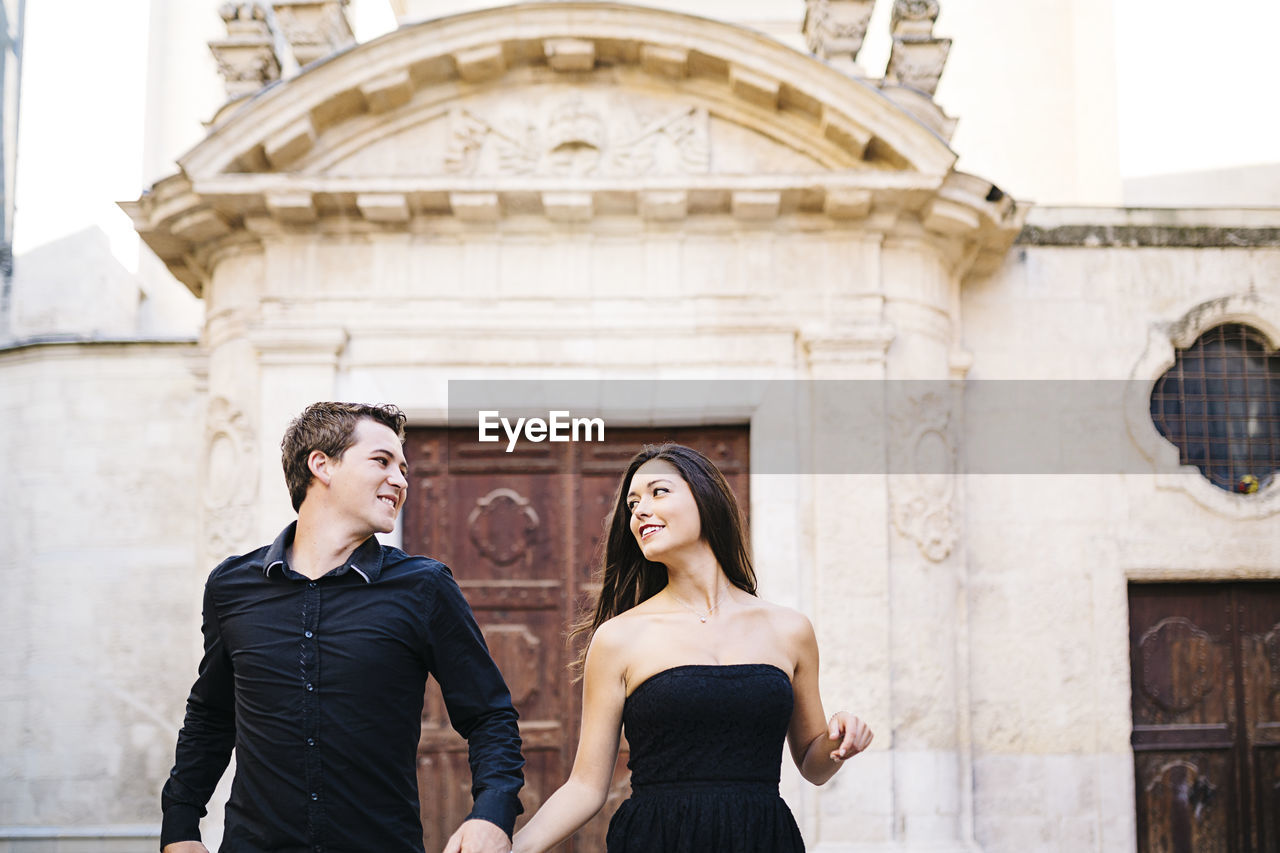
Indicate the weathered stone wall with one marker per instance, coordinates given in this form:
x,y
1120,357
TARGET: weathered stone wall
x,y
98,526
1050,556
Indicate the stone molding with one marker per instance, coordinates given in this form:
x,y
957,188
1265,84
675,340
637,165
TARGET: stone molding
x,y
282,346
187,225
1155,228
1163,339
865,344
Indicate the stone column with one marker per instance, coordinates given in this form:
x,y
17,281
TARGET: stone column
x,y
229,485
929,701
852,582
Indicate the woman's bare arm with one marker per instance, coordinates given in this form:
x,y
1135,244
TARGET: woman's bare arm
x,y
818,745
604,690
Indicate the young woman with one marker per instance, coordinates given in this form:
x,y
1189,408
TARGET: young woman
x,y
707,679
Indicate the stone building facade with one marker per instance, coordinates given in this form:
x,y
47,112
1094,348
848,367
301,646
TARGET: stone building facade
x,y
601,191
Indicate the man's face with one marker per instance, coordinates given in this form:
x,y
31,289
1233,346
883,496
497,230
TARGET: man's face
x,y
369,481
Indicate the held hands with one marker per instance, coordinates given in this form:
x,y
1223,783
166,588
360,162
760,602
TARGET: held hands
x,y
185,847
851,733
478,836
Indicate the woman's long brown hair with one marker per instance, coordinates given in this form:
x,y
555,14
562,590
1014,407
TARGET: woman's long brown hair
x,y
627,578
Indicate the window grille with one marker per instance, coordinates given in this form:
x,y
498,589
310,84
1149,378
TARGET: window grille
x,y
1220,406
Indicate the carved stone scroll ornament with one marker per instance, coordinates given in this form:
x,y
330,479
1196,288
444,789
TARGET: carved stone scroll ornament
x,y
922,489
835,29
917,59
575,139
246,58
230,478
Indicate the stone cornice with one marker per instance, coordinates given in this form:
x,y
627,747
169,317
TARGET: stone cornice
x,y
1191,228
186,224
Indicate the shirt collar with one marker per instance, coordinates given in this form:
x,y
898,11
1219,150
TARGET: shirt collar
x,y
366,560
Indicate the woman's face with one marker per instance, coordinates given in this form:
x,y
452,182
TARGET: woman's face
x,y
664,515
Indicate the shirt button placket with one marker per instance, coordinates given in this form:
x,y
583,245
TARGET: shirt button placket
x,y
310,657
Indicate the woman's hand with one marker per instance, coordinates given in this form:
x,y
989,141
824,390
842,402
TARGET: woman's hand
x,y
852,734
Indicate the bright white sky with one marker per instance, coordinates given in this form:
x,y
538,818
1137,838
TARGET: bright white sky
x,y
1195,91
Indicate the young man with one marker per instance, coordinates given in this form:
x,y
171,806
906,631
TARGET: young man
x,y
316,653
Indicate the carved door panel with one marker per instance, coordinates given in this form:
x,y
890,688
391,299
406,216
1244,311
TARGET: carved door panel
x,y
1205,663
520,531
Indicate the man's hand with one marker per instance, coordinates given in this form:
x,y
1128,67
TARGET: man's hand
x,y
189,847
474,836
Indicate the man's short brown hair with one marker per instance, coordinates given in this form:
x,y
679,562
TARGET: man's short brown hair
x,y
331,429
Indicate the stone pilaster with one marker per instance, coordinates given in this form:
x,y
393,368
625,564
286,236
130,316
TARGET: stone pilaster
x,y
932,790
851,572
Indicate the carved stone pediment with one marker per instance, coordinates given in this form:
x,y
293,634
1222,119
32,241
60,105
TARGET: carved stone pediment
x,y
583,111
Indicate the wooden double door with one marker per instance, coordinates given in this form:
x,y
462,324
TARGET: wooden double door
x,y
1205,660
520,531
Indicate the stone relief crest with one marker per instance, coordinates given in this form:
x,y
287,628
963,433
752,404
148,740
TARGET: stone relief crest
x,y
921,495
577,139
230,481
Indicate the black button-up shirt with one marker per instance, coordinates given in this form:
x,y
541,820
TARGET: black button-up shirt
x,y
319,687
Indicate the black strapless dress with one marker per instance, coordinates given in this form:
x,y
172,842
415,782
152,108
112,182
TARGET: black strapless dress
x,y
706,752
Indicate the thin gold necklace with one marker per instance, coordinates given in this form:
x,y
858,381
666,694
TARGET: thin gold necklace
x,y
701,616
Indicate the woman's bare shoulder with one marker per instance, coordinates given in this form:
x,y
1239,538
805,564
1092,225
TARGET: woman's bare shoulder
x,y
619,633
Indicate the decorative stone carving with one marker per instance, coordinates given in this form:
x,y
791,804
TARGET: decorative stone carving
x,y
576,139
246,58
834,29
231,486
914,18
502,525
918,58
313,28
923,489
